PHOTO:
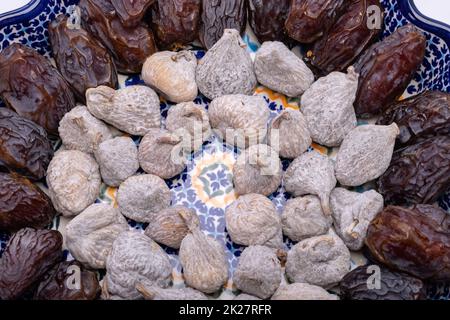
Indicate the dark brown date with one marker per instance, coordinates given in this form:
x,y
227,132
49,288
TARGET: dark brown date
x,y
60,283
24,145
82,60
386,69
414,240
267,18
23,204
131,12
218,15
347,38
308,20
129,46
420,117
28,256
417,174
175,22
393,285
31,86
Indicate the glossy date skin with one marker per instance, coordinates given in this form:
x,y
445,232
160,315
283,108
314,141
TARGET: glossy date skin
x,y
129,46
346,39
175,22
267,18
32,87
82,60
218,15
386,68
29,254
308,20
417,174
414,240
23,204
56,283
131,12
420,117
24,145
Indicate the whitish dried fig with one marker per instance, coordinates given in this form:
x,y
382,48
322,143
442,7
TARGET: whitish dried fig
x,y
80,130
133,109
152,292
118,160
162,153
328,107
258,272
189,119
135,258
302,291
142,197
90,235
226,68
252,219
289,133
352,214
303,218
73,180
172,74
311,173
322,261
279,69
244,296
170,226
203,259
365,154
240,120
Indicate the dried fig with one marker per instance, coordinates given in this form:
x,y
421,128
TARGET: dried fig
x,y
90,235
302,291
153,292
279,69
226,68
365,154
328,107
267,17
244,296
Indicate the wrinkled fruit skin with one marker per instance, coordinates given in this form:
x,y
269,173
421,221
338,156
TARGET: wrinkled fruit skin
x,y
267,19
23,204
309,19
420,117
218,15
386,69
346,39
29,254
417,174
24,146
415,240
131,12
394,286
54,286
129,46
82,60
32,87
175,22
302,291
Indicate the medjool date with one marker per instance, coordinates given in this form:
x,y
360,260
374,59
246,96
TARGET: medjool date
x,y
32,87
302,291
417,174
386,68
28,256
218,15
129,46
393,285
23,204
347,38
56,285
419,117
131,12
308,20
82,60
175,22
267,18
24,146
415,240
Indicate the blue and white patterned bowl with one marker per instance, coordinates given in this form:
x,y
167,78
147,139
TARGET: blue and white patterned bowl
x,y
206,185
